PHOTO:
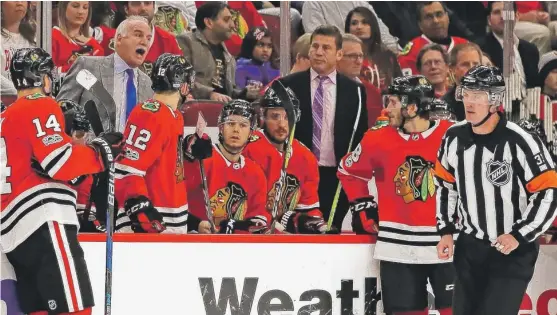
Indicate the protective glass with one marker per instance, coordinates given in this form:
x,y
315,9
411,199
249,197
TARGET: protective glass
x,y
472,96
237,122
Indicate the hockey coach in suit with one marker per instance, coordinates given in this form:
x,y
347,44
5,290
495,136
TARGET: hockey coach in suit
x,y
329,104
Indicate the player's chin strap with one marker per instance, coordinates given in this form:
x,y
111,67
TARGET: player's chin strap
x,y
404,119
485,119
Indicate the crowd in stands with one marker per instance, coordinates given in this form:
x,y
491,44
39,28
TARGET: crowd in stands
x,y
234,50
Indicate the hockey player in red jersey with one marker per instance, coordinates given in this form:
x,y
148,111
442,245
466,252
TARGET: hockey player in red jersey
x,y
150,186
401,158
237,187
39,221
299,203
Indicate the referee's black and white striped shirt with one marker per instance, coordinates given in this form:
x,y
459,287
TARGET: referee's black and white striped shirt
x,y
500,183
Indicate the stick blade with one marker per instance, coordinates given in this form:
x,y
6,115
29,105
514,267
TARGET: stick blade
x,y
93,116
86,79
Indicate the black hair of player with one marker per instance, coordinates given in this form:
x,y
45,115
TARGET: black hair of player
x,y
28,68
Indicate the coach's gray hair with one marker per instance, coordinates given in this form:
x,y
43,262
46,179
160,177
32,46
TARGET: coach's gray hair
x,y
122,29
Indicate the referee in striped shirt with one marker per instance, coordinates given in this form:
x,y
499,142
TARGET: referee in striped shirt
x,y
497,184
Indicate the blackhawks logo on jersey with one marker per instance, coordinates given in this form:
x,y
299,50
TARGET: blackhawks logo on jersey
x,y
152,106
179,170
414,179
231,198
253,138
407,49
35,96
289,198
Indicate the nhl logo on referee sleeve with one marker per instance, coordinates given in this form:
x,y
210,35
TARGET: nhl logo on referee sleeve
x,y
498,173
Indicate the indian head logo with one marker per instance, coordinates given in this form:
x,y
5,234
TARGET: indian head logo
x,y
414,179
498,173
231,198
179,170
289,198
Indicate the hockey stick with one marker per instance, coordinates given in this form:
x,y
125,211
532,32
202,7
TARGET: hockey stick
x,y
88,81
337,193
279,185
201,124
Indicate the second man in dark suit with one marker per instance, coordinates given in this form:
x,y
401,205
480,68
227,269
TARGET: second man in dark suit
x,y
329,104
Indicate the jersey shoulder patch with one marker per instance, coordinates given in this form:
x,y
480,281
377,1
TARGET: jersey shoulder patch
x,y
254,138
378,127
35,96
151,105
406,49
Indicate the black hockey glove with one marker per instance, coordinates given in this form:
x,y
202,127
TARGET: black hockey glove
x,y
36,166
109,145
145,218
251,225
296,222
196,148
90,224
365,215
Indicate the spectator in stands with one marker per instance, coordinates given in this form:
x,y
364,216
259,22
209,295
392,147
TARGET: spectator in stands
x,y
101,20
486,59
433,63
433,20
548,74
329,105
161,42
526,56
380,65
118,72
317,13
351,65
534,24
256,65
300,52
17,32
463,57
214,66
72,37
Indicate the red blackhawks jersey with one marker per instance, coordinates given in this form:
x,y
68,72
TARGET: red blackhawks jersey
x,y
65,51
153,165
163,42
302,174
402,165
33,128
408,56
239,188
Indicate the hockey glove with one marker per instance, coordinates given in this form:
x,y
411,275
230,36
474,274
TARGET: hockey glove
x,y
297,222
364,215
90,224
196,148
251,225
36,166
109,145
145,218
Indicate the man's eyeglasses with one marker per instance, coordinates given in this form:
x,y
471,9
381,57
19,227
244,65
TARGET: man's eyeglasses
x,y
354,57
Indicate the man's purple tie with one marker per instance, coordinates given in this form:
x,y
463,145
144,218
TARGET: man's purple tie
x,y
318,118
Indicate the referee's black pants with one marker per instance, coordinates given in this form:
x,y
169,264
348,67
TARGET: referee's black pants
x,y
488,282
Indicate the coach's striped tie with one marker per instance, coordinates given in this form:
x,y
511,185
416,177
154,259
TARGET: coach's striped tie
x,y
318,118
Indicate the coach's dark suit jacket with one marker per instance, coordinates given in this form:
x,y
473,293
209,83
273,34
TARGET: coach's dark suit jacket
x,y
529,55
345,112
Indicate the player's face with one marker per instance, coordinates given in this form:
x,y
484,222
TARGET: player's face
x,y
236,131
133,45
393,107
276,124
145,9
476,104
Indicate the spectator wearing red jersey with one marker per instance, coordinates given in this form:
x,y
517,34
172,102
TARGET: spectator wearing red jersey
x,y
433,63
72,38
350,65
433,20
161,42
380,65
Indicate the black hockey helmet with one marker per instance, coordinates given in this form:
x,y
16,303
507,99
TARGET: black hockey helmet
x,y
438,109
28,66
170,72
415,89
241,108
272,100
483,78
